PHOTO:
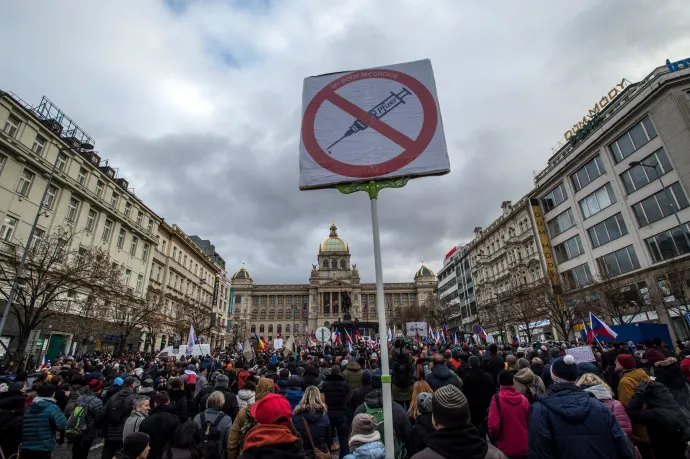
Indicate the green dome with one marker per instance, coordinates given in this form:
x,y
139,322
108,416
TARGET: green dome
x,y
333,243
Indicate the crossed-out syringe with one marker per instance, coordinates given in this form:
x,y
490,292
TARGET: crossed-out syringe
x,y
379,111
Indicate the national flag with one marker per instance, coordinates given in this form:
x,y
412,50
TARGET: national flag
x,y
482,333
516,340
259,342
263,340
313,335
446,337
348,338
335,337
590,333
600,328
191,339
356,334
390,334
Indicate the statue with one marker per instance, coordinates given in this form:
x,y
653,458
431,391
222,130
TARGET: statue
x,y
313,270
346,305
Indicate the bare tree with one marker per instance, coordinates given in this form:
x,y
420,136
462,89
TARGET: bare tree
x,y
411,313
672,288
195,314
436,310
493,316
130,312
555,306
84,317
612,296
55,266
523,306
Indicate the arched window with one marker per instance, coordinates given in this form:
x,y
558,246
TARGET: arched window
x,y
280,314
326,310
325,264
270,328
334,264
288,313
261,328
263,314
255,314
253,328
296,328
279,328
372,312
343,265
287,328
271,314
520,225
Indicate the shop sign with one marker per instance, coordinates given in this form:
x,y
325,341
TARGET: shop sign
x,y
544,240
598,106
675,66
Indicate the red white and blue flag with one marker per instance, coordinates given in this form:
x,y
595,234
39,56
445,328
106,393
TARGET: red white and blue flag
x,y
336,337
600,328
590,334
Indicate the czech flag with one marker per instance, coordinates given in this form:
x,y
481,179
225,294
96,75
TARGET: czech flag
x,y
356,334
590,334
600,328
516,340
336,337
482,333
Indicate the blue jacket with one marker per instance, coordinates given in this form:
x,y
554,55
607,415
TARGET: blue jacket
x,y
319,426
41,420
373,450
294,396
569,423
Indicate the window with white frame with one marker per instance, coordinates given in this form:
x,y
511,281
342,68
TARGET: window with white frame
x,y
140,283
26,179
39,145
51,195
145,252
637,136
36,240
133,245
149,228
660,205
121,238
140,217
587,173
107,229
648,171
99,189
12,125
554,197
619,262
9,226
91,220
128,209
61,162
561,222
608,230
568,249
3,161
597,201
128,276
113,200
81,177
669,244
72,210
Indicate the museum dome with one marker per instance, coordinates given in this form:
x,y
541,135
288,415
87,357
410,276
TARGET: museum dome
x,y
423,271
242,274
333,243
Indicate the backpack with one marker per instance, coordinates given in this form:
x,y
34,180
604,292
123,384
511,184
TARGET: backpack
x,y
211,446
78,422
246,426
531,394
191,379
377,413
402,370
115,411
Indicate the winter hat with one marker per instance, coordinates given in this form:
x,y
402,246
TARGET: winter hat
x,y
344,363
222,381
135,444
449,406
563,369
627,361
47,390
95,385
363,431
366,377
424,402
271,408
118,382
294,381
265,387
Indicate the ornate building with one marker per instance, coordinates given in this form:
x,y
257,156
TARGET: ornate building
x,y
297,308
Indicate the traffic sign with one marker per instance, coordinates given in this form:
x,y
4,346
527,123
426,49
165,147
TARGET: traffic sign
x,y
370,124
323,334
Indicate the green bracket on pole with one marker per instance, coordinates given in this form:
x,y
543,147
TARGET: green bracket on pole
x,y
372,187
386,379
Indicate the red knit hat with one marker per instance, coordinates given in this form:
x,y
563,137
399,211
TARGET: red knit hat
x,y
627,361
271,408
95,385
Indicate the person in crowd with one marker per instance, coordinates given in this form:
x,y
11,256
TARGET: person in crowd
x,y
81,444
221,384
310,377
244,421
112,390
356,397
283,377
146,389
242,376
537,366
178,399
247,395
508,417
335,390
160,425
593,384
274,437
215,426
353,375
455,436
553,354
529,384
186,443
136,446
403,369
294,393
496,364
311,413
373,404
653,406
511,363
77,388
365,440
478,387
629,378
440,374
12,406
201,380
568,422
423,425
668,373
42,420
418,388
116,412
140,410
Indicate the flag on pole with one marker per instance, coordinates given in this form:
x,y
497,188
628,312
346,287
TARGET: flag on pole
x,y
390,334
590,334
191,339
336,337
259,341
600,328
482,333
247,350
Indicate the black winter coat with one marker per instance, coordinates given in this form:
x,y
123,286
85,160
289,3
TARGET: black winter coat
x,y
310,380
178,401
442,376
160,427
335,390
320,428
421,431
478,390
496,365
231,408
12,406
116,412
401,423
669,374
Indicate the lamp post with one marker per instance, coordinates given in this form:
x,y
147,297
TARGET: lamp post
x,y
19,278
658,175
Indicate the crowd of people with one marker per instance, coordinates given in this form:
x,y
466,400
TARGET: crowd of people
x,y
460,401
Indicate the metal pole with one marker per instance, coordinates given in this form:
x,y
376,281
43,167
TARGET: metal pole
x,y
385,372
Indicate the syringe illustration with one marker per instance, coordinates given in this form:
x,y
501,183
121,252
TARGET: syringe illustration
x,y
379,111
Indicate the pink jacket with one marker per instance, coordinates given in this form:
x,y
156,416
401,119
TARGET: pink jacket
x,y
616,407
509,426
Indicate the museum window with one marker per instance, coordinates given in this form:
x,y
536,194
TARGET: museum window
x,y
325,264
288,313
271,314
280,314
253,328
279,329
343,265
270,328
334,264
280,300
255,314
261,328
372,312
263,314
287,328
288,300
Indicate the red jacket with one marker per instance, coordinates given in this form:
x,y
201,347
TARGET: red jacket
x,y
685,368
509,426
241,378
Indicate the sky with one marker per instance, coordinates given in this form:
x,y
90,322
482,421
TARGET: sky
x,y
198,104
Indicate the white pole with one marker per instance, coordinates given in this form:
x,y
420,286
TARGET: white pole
x,y
385,372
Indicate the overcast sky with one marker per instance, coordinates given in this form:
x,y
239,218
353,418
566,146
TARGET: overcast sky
x,y
198,104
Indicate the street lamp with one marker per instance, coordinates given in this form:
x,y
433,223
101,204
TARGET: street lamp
x,y
658,175
19,278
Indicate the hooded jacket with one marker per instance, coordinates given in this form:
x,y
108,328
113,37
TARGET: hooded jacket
x,y
371,450
604,396
76,390
160,426
263,388
668,373
508,421
41,420
245,397
627,386
294,396
95,412
178,400
442,376
335,390
353,375
569,423
271,441
461,441
401,423
242,377
496,365
120,403
12,406
319,426
525,380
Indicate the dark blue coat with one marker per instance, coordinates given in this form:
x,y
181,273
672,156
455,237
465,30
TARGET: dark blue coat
x,y
320,428
569,423
41,420
442,376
